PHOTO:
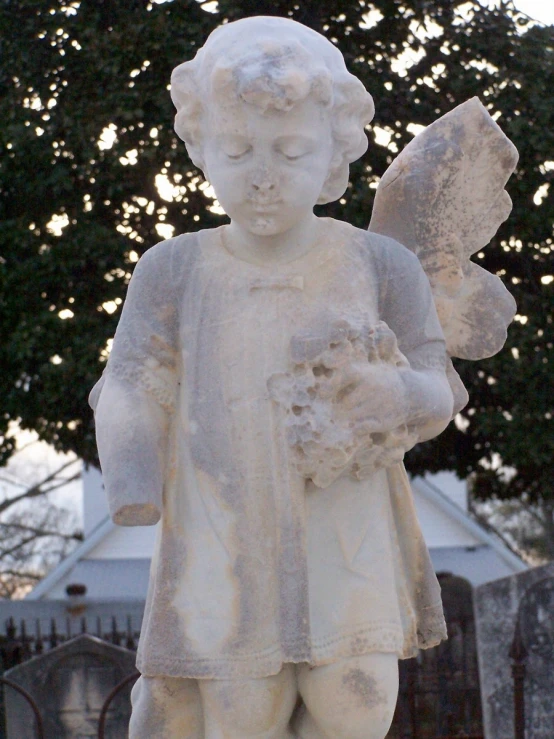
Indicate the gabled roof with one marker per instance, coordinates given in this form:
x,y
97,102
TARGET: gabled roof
x,y
74,565
53,577
435,496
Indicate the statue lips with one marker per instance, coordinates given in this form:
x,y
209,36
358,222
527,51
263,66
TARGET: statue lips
x,y
270,207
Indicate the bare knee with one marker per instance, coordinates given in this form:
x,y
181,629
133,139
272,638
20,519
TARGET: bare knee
x,y
244,709
166,706
354,698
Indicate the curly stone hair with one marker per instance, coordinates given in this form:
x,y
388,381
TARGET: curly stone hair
x,y
283,64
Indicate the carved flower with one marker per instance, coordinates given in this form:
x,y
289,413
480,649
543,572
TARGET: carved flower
x,y
325,440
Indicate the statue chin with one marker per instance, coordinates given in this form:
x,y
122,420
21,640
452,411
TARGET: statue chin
x,y
264,225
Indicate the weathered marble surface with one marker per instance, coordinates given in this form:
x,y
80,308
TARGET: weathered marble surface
x,y
497,604
70,684
265,381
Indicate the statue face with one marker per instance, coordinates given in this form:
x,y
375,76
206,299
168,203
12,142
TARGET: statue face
x,y
268,168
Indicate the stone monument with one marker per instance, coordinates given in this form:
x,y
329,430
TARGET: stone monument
x,y
265,381
69,684
524,602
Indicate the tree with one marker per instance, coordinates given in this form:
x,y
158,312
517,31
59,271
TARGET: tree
x,y
35,532
93,174
521,525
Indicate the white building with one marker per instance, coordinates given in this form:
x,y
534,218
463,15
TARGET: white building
x,y
113,562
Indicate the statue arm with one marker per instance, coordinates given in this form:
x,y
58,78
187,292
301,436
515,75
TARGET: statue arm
x,y
408,309
393,393
134,400
430,402
131,432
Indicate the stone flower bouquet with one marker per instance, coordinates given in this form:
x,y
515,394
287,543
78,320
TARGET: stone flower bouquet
x,y
318,396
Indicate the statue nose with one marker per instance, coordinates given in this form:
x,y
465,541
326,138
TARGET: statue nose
x,y
263,186
263,179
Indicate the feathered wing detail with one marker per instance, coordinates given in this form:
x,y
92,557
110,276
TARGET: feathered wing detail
x,y
443,198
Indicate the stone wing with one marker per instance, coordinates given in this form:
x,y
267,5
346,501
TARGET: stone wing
x,y
443,198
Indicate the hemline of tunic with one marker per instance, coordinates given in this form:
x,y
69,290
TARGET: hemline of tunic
x,y
377,637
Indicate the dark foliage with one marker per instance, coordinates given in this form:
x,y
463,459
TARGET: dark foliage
x,y
70,70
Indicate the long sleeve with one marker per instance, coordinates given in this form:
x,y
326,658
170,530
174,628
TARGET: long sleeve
x,y
406,304
134,399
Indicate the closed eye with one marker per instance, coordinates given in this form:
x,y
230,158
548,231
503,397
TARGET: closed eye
x,y
294,147
293,154
294,157
235,157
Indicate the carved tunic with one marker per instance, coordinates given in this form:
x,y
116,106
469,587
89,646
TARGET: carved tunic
x,y
254,565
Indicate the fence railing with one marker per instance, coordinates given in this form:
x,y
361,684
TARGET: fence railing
x,y
431,687
16,648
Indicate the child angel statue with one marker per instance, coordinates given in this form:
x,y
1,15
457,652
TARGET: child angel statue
x,y
265,381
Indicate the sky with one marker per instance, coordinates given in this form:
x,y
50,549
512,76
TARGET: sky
x,y
541,10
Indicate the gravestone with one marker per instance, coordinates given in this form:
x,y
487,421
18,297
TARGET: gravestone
x,y
529,597
70,684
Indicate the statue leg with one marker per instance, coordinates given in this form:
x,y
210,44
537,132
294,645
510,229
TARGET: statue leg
x,y
353,698
166,707
249,709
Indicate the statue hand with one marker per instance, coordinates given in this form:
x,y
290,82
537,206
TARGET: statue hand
x,y
374,399
372,395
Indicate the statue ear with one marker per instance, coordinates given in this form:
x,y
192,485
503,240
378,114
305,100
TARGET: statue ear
x,y
196,156
188,120
337,180
183,85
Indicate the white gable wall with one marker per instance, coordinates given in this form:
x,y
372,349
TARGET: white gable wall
x,y
478,565
114,561
439,529
451,486
95,503
126,542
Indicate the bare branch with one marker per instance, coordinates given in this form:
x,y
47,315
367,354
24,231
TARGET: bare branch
x,y
10,551
42,488
531,510
488,526
19,449
40,532
21,573
11,481
60,484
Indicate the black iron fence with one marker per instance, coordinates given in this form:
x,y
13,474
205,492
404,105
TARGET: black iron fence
x,y
439,694
19,643
439,690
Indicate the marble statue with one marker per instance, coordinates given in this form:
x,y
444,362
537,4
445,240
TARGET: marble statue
x,y
265,381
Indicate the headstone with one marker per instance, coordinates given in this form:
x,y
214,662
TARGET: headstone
x,y
70,684
529,597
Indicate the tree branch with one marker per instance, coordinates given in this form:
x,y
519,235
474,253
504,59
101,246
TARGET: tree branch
x,y
7,552
10,481
38,489
488,526
40,532
21,573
